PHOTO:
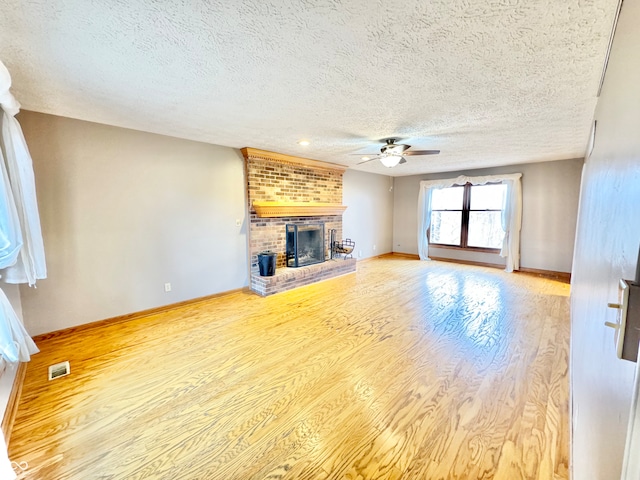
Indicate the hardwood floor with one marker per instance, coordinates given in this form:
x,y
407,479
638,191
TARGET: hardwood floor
x,y
405,370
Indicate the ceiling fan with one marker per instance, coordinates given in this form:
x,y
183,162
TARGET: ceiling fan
x,y
392,153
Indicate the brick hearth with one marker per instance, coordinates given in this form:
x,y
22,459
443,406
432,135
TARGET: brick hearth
x,y
273,177
288,278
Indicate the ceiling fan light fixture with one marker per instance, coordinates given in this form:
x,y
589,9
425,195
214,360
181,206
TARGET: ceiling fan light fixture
x,y
390,161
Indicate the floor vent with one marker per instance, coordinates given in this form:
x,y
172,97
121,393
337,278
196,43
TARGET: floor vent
x,y
59,370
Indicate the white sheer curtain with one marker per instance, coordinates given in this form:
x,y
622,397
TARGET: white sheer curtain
x,y
511,213
19,224
10,234
30,263
21,247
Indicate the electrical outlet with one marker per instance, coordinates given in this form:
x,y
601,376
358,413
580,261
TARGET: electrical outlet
x,y
238,222
374,248
167,287
360,253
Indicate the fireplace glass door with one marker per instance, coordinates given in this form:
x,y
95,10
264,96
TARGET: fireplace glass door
x,y
305,244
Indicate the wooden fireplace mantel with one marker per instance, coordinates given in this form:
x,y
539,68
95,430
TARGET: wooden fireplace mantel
x,y
297,209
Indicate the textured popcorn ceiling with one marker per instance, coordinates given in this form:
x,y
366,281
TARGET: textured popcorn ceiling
x,y
487,82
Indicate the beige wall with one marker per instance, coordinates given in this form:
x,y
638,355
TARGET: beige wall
x,y
550,192
606,250
123,212
368,219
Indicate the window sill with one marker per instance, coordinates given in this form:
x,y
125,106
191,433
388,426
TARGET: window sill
x,y
466,249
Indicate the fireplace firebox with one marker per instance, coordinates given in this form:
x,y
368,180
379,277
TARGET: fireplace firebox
x,y
305,244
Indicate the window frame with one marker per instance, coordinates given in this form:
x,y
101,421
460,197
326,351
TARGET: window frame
x,y
464,229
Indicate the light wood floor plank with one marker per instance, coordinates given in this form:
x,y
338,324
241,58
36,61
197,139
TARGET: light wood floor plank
x,y
406,370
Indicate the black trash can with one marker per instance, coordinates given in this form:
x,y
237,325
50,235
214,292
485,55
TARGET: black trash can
x,y
267,263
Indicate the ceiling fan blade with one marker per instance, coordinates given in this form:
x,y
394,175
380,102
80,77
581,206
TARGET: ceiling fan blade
x,y
422,152
367,161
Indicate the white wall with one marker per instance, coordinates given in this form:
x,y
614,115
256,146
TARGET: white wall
x,y
122,213
606,250
368,219
550,192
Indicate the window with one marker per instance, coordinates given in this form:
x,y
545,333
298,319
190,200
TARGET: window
x,y
468,216
510,217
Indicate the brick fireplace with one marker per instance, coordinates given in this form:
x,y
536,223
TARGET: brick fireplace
x,y
282,190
